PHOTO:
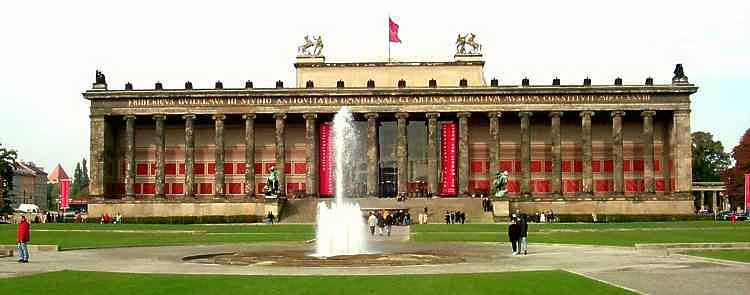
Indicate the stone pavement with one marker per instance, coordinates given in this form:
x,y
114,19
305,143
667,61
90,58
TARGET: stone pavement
x,y
643,272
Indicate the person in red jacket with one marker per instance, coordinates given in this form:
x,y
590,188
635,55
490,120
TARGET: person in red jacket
x,y
23,238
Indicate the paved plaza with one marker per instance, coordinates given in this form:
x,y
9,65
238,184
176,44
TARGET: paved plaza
x,y
650,272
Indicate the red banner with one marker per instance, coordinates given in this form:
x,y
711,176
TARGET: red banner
x,y
326,160
448,156
64,192
747,192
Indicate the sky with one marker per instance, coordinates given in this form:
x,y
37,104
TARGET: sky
x,y
49,51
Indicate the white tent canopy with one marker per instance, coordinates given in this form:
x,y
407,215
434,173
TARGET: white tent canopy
x,y
28,208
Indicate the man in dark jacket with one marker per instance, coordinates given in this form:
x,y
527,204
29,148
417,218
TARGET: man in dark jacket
x,y
23,238
523,243
514,234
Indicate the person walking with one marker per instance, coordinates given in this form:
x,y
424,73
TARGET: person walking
x,y
514,234
23,238
524,243
388,223
372,221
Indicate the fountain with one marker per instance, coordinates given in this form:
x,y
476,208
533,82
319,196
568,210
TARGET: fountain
x,y
340,226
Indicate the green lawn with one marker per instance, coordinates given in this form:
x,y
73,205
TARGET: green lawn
x,y
81,283
613,234
77,236
736,255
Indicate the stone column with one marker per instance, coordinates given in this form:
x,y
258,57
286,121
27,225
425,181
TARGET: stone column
x,y
280,151
556,183
714,201
129,156
648,150
617,152
703,200
463,153
432,152
311,154
160,149
219,143
588,176
98,156
372,154
683,154
189,156
525,152
402,153
666,155
494,147
249,155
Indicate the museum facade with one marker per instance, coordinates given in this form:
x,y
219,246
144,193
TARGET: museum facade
x,y
424,129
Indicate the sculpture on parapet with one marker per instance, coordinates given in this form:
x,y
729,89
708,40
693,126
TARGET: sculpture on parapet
x,y
272,183
467,39
100,78
500,184
679,75
317,46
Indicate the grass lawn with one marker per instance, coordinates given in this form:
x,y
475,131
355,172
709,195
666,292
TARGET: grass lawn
x,y
736,255
77,236
612,234
81,283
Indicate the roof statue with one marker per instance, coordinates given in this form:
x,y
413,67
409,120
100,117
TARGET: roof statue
x,y
467,39
317,44
679,75
100,79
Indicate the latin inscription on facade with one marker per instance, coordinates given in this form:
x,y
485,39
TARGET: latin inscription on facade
x,y
387,100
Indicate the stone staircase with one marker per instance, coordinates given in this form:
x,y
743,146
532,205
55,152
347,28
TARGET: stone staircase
x,y
305,210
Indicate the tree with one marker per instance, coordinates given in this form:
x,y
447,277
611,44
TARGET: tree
x,y
7,170
734,178
84,175
709,158
76,185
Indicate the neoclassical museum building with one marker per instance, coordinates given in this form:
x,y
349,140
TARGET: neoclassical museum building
x,y
432,130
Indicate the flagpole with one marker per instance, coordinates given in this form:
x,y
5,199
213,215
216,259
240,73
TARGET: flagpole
x,y
389,37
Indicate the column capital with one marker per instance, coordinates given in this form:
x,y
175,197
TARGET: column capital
x,y
464,114
188,116
248,116
310,116
555,114
278,116
97,117
648,113
432,115
129,117
494,114
617,113
586,113
219,117
159,117
681,112
525,114
372,116
402,116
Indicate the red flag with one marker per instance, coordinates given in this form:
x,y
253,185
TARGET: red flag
x,y
393,27
64,191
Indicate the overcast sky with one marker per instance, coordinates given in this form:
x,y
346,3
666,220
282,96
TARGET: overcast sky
x,y
50,50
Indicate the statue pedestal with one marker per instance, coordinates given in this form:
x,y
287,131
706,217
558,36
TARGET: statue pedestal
x,y
468,57
311,59
501,208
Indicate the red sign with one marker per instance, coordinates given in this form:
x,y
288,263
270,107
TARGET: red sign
x,y
64,192
747,192
448,157
326,160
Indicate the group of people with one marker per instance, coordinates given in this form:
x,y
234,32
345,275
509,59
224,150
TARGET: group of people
x,y
382,221
544,217
454,217
37,217
517,234
106,219
486,204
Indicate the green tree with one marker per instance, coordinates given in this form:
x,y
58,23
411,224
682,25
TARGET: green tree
x,y
7,170
734,178
75,187
709,158
84,175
